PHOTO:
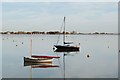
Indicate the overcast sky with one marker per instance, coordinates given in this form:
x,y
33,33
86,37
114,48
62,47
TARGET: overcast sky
x,y
48,16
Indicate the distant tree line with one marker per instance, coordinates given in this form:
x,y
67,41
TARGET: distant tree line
x,y
37,32
54,32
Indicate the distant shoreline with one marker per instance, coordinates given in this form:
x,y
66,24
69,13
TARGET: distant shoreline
x,y
58,33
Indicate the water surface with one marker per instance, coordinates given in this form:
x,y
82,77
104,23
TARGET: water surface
x,y
102,63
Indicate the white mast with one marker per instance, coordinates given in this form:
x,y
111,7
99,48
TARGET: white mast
x,y
64,32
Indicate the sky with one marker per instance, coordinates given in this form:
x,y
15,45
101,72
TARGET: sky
x,y
48,16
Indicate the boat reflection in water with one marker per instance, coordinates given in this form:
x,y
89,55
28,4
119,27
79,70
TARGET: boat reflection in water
x,y
40,65
40,61
66,52
33,65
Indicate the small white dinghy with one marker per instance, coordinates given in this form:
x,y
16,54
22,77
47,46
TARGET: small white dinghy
x,y
38,60
41,59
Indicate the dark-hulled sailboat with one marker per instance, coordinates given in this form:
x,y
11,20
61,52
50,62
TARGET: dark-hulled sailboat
x,y
66,47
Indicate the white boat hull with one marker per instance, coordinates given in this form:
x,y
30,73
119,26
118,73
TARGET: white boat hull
x,y
37,60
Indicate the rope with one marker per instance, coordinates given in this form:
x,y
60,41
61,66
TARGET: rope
x,y
59,34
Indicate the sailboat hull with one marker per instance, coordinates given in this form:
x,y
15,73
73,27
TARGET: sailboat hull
x,y
37,60
60,48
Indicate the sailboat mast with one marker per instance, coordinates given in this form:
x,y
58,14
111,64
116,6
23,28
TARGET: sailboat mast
x,y
64,32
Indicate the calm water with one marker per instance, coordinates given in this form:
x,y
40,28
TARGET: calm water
x,y
102,63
